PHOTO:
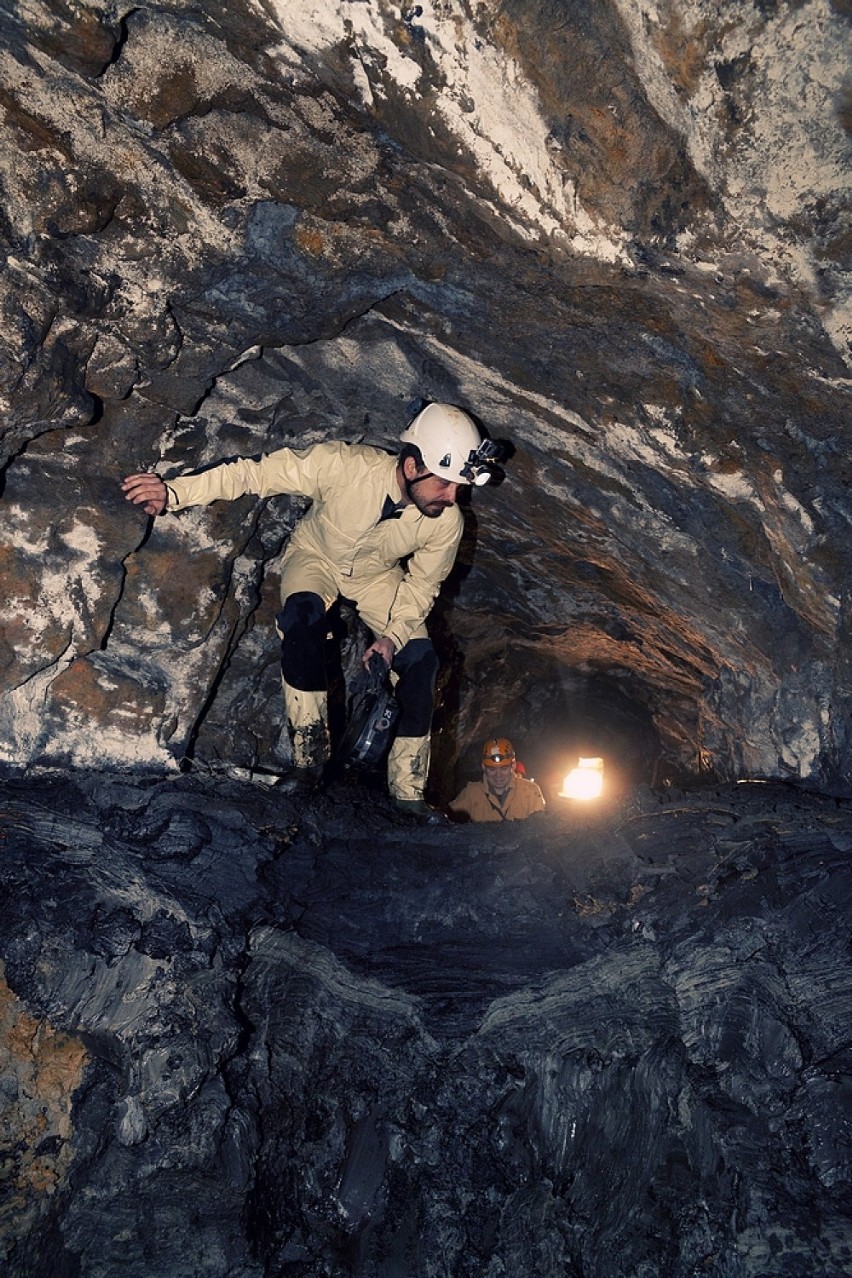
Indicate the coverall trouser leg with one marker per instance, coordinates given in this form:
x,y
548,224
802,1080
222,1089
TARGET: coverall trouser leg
x,y
302,626
309,586
416,668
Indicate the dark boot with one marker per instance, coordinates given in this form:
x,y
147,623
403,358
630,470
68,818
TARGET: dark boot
x,y
421,811
301,780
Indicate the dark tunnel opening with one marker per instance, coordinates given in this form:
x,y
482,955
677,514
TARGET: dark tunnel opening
x,y
554,715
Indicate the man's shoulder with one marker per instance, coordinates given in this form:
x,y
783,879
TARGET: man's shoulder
x,y
369,454
529,791
366,453
361,460
468,791
526,783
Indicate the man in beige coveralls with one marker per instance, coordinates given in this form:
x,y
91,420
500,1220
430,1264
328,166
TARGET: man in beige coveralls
x,y
371,510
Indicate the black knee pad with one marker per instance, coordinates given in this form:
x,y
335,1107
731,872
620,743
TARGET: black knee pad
x,y
302,626
417,666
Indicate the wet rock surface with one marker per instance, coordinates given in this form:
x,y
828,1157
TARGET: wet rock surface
x,y
315,1038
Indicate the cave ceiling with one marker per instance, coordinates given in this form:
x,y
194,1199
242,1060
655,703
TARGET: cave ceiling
x,y
618,233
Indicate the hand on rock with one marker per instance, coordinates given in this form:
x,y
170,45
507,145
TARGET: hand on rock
x,y
146,490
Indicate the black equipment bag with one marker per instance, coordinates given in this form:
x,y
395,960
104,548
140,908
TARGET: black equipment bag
x,y
373,716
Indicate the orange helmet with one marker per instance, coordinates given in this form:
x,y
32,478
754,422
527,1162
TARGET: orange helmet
x,y
497,752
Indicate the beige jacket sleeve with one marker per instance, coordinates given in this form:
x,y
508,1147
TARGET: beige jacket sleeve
x,y
288,470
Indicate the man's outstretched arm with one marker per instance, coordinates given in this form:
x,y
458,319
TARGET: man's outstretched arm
x,y
287,470
147,491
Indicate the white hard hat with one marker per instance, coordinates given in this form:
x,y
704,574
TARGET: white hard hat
x,y
448,441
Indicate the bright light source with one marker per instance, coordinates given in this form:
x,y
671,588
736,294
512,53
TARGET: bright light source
x,y
585,781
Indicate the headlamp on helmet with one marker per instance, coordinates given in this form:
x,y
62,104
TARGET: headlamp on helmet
x,y
497,752
480,465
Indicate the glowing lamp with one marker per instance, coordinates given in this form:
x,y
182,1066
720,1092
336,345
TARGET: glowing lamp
x,y
585,781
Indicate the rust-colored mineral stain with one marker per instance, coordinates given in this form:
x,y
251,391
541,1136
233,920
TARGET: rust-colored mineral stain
x,y
42,1067
311,241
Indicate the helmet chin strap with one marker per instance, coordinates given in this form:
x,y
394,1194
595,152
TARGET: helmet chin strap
x,y
418,479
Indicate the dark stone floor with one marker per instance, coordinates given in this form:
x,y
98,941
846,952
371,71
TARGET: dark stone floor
x,y
321,1040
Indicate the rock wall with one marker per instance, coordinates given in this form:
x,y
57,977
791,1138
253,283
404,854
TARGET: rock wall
x,y
616,232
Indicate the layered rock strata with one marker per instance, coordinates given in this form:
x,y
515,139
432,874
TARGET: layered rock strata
x,y
322,1040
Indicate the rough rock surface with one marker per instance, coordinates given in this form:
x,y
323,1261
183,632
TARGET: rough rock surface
x,y
617,232
269,1039
240,1037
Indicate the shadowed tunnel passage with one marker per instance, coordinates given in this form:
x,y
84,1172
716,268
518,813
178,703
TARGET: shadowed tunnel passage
x,y
553,715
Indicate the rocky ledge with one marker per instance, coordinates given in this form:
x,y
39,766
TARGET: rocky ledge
x,y
247,1036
